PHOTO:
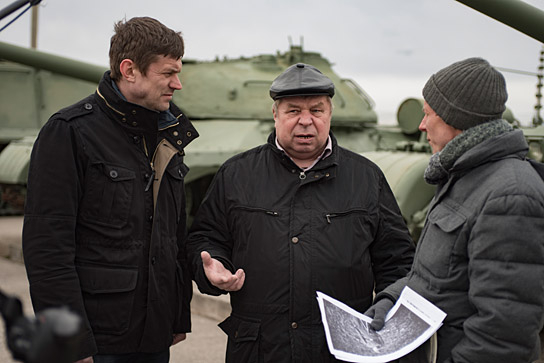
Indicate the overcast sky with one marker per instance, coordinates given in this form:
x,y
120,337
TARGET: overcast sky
x,y
389,47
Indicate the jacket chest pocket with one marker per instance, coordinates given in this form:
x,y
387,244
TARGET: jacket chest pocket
x,y
175,176
249,224
441,233
358,226
108,195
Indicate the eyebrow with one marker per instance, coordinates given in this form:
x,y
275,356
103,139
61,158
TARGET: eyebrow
x,y
319,104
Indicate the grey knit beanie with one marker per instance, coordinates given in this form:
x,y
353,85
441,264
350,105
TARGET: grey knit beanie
x,y
467,93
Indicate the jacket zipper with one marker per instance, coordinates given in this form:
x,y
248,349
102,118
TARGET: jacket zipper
x,y
253,209
152,176
328,216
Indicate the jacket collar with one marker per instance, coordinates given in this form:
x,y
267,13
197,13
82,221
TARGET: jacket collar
x,y
136,119
330,160
511,144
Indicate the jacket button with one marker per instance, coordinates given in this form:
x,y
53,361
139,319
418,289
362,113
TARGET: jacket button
x,y
150,218
88,106
294,239
153,260
134,112
113,174
134,124
179,142
294,325
136,139
189,134
175,133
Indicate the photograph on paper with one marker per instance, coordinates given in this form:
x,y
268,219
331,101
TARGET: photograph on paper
x,y
411,322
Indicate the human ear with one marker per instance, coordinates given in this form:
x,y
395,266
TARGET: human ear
x,y
128,69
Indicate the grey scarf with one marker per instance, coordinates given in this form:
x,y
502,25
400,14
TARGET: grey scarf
x,y
441,162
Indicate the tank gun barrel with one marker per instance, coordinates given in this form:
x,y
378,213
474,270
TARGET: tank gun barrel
x,y
514,13
53,63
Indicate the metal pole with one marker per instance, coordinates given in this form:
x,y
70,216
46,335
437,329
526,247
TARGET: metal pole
x,y
34,28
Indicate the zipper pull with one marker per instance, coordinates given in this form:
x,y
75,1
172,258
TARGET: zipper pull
x,y
302,175
150,181
329,216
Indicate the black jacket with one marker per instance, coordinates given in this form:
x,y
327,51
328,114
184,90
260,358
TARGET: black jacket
x,y
93,239
335,229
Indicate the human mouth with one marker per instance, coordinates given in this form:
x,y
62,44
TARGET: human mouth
x,y
304,139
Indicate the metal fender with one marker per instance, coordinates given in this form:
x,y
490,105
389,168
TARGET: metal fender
x,y
404,173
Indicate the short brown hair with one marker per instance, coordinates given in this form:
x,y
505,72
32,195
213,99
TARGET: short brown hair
x,y
142,40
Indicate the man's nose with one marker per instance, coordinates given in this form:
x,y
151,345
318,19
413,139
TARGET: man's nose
x,y
176,83
423,125
305,118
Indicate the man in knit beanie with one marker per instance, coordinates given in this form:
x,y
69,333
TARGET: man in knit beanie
x,y
480,257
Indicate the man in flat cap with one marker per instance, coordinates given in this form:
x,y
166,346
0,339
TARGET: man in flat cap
x,y
480,257
296,215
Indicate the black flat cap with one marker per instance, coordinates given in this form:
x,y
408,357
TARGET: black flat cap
x,y
301,80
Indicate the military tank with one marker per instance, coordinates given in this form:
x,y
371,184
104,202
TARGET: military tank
x,y
226,99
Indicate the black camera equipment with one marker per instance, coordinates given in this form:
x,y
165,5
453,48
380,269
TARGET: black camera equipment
x,y
53,336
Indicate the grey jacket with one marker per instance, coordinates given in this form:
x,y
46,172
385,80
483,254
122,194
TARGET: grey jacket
x,y
480,257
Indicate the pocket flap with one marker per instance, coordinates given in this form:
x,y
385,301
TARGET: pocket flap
x,y
100,280
446,218
240,330
117,173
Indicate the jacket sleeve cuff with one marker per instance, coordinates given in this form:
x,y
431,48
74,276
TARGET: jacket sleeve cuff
x,y
87,347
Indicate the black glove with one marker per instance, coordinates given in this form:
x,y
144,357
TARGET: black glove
x,y
378,311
